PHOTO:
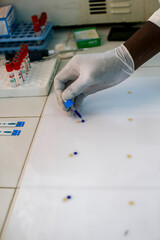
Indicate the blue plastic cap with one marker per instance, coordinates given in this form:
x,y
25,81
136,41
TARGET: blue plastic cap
x,y
16,132
20,124
68,103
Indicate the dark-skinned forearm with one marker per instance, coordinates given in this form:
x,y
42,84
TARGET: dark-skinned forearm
x,y
144,44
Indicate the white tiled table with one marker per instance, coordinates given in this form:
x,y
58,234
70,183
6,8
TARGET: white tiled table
x,y
101,179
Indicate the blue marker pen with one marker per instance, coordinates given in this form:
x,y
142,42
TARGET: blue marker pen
x,y
69,104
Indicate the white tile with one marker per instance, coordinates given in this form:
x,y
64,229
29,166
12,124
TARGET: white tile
x,y
5,200
21,107
147,72
40,213
13,151
102,143
51,107
155,61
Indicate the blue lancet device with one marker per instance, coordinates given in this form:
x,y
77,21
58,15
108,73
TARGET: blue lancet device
x,y
69,104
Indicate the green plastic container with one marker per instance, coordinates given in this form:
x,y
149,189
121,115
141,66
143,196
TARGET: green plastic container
x,y
87,37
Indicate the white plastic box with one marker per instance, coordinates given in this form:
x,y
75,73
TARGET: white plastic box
x,y
7,20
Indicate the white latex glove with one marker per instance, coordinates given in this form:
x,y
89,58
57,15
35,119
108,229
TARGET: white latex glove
x,y
90,73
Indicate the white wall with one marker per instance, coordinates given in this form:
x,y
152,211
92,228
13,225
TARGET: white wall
x,y
76,12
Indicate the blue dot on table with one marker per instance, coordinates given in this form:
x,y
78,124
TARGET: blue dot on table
x,y
75,153
83,121
69,197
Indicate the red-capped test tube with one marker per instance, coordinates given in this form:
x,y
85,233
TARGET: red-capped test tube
x,y
43,20
22,64
35,19
37,30
44,14
9,68
17,57
27,56
24,50
16,65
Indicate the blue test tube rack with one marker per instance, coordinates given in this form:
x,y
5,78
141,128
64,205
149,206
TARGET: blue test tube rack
x,y
24,33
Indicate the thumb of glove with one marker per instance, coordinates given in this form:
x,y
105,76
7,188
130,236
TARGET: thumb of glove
x,y
75,89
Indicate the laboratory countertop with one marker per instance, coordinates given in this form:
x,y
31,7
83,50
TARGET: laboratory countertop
x,y
35,111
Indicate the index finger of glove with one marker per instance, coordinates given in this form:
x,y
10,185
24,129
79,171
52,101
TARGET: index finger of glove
x,y
69,72
65,75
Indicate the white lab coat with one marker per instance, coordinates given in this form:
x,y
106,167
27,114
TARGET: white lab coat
x,y
155,18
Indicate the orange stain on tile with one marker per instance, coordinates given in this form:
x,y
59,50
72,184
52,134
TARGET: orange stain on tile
x,y
129,92
129,156
64,199
130,119
70,155
131,203
78,121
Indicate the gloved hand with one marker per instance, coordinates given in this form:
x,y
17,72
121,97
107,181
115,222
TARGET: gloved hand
x,y
90,73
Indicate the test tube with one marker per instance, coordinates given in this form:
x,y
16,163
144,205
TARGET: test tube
x,y
27,56
37,30
17,58
16,65
42,20
35,19
44,14
22,64
9,68
22,47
